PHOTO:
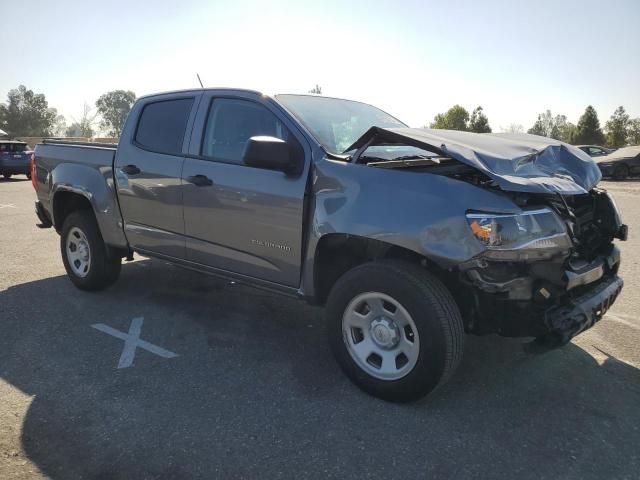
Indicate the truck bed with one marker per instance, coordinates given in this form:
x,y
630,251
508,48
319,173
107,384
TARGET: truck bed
x,y
85,168
51,153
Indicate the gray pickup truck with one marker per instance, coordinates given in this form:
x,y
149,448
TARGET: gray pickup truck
x,y
409,237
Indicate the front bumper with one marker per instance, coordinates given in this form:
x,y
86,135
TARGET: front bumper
x,y
550,302
581,313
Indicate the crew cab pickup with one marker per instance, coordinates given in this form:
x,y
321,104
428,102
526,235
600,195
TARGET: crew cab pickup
x,y
409,237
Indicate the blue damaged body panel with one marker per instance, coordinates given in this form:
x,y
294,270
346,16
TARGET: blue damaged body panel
x,y
516,162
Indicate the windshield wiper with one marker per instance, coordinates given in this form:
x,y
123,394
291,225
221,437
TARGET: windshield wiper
x,y
335,156
405,161
432,158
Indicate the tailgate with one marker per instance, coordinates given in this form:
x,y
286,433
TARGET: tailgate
x,y
15,159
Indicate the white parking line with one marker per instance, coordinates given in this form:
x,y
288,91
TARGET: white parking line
x,y
132,341
7,205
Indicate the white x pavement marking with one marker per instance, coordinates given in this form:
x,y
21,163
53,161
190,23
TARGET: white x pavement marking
x,y
7,205
132,341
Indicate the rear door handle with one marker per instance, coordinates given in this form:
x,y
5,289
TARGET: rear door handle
x,y
200,180
130,169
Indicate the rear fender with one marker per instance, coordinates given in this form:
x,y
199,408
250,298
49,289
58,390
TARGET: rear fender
x,y
97,186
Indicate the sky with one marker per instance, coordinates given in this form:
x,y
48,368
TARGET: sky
x,y
411,58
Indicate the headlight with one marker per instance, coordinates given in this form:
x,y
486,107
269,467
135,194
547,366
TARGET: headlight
x,y
532,234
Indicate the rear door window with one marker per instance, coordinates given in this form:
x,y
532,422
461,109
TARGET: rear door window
x,y
162,125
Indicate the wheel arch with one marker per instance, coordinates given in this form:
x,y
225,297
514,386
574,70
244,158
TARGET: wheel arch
x,y
67,200
76,186
337,253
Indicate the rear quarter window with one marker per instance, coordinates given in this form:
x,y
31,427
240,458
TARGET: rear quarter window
x,y
162,125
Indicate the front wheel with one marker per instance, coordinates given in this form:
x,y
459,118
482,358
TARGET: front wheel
x,y
395,330
7,176
84,254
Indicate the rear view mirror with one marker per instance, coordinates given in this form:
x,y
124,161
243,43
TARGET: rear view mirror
x,y
268,152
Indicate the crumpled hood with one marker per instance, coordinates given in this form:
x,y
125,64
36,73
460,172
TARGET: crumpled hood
x,y
517,162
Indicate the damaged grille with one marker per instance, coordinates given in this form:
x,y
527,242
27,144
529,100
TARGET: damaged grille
x,y
588,231
591,220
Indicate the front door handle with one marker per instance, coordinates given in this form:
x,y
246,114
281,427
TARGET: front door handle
x,y
130,169
200,180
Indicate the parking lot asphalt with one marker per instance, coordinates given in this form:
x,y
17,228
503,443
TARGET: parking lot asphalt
x,y
252,390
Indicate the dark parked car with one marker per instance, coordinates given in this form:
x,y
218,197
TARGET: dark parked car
x,y
595,150
14,158
621,164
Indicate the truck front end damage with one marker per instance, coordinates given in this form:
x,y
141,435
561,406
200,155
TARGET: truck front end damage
x,y
548,267
553,287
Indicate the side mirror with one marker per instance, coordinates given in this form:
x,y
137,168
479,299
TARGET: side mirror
x,y
268,152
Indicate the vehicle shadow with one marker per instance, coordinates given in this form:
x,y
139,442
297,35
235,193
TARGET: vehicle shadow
x,y
14,179
256,393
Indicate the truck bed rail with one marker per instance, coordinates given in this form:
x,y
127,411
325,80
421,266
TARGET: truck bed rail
x,y
75,143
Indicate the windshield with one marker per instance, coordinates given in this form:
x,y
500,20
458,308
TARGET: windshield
x,y
336,123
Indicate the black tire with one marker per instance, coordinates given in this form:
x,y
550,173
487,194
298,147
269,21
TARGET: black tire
x,y
28,175
620,172
7,176
103,270
433,310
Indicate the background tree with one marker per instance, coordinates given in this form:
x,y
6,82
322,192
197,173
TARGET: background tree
x,y
114,107
588,130
479,122
84,126
456,118
568,132
74,130
317,89
540,126
513,128
617,127
555,127
27,114
59,126
633,132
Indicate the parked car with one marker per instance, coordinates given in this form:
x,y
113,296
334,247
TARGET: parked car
x,y
14,158
621,164
595,150
408,237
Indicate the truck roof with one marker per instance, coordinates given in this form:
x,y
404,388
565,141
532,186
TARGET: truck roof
x,y
243,90
196,90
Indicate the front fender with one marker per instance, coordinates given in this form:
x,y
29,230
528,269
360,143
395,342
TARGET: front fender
x,y
418,211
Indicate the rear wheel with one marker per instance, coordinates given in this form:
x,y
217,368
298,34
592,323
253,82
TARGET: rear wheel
x,y
7,176
84,254
395,330
620,172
